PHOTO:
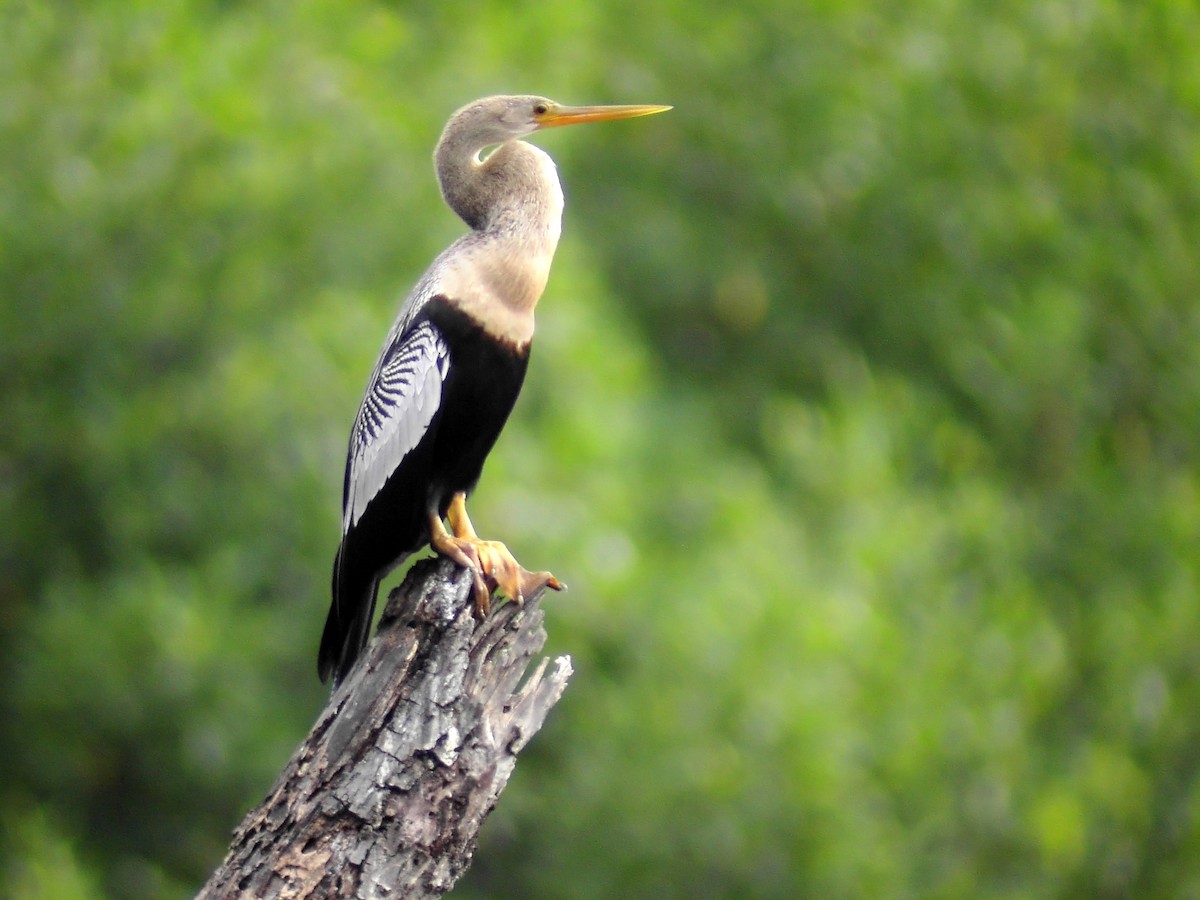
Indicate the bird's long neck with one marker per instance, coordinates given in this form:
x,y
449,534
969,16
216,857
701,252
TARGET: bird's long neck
x,y
513,202
513,193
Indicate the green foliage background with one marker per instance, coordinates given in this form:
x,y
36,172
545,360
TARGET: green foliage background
x,y
864,423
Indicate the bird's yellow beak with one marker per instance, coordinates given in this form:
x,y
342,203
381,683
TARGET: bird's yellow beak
x,y
556,115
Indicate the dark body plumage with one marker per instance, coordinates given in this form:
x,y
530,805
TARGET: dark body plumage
x,y
483,376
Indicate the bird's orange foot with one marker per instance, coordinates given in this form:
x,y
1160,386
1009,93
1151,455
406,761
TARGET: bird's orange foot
x,y
492,564
493,567
502,570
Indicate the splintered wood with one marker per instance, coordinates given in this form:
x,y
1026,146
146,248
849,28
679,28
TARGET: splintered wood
x,y
386,796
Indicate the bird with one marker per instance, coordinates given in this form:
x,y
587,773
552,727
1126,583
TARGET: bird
x,y
451,367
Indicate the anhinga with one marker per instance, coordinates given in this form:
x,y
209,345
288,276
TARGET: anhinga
x,y
451,368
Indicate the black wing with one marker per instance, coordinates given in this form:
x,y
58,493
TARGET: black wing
x,y
400,403
395,413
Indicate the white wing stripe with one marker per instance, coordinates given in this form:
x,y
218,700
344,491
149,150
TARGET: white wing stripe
x,y
400,402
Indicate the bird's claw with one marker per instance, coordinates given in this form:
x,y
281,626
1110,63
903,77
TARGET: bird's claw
x,y
501,571
492,564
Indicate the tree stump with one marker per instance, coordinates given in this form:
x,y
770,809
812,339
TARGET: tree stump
x,y
387,794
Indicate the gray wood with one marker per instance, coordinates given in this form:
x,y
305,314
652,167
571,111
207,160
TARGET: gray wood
x,y
386,796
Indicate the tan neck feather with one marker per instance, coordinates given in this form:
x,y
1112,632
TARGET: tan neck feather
x,y
499,271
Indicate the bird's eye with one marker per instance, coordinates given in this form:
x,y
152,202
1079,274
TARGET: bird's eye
x,y
540,109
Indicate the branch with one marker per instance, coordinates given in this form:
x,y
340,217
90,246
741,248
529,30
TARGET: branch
x,y
387,794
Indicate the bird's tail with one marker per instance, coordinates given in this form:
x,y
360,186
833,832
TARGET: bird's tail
x,y
348,625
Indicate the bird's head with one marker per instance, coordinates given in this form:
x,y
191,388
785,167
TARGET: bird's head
x,y
495,120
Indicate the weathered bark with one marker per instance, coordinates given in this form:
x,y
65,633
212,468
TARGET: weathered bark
x,y
387,794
